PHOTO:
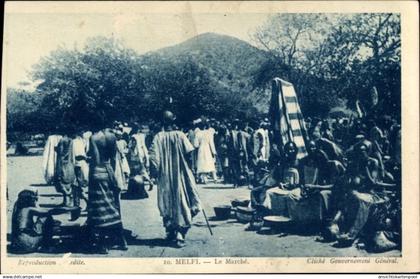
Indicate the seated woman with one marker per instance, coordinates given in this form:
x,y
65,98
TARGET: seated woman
x,y
313,165
363,195
312,202
379,152
32,227
331,149
272,188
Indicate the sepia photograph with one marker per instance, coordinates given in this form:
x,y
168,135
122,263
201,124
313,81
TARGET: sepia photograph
x,y
198,134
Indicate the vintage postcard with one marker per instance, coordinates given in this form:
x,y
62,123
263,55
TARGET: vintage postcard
x,y
210,137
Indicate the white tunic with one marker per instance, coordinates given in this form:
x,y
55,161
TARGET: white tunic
x,y
206,151
50,158
79,149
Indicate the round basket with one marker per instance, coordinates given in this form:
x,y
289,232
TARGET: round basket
x,y
244,214
238,202
222,212
274,221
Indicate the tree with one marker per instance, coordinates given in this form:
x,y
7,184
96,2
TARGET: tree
x,y
294,42
104,79
334,58
289,37
107,80
364,51
23,111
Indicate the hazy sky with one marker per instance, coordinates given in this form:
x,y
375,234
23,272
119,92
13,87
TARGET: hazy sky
x,y
28,37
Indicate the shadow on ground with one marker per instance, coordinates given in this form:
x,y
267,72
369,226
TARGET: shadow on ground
x,y
291,228
153,242
75,239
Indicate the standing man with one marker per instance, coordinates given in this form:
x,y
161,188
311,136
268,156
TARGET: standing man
x,y
244,151
191,137
259,144
122,170
65,176
104,216
267,138
222,141
81,170
178,200
194,154
206,152
233,151
140,147
49,161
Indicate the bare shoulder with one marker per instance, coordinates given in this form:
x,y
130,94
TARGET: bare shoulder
x,y
95,136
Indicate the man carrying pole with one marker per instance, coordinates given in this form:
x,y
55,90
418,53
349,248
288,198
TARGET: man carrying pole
x,y
178,199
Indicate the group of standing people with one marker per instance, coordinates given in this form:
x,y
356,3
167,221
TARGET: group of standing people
x,y
352,163
227,150
103,167
66,164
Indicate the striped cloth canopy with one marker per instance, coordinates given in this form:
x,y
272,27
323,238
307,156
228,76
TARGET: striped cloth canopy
x,y
286,117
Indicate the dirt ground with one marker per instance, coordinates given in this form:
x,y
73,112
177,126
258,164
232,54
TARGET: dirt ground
x,y
142,217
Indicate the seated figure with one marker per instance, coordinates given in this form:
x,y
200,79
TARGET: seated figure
x,y
278,183
363,195
32,227
302,191
312,202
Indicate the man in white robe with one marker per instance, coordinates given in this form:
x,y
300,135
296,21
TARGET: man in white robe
x,y
206,153
49,158
178,199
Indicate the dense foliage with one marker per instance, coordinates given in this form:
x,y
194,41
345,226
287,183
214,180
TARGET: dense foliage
x,y
24,111
332,60
335,59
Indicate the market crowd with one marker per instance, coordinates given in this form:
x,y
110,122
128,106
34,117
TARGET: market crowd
x,y
352,167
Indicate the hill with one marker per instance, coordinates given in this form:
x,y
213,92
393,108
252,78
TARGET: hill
x,y
228,59
208,75
231,63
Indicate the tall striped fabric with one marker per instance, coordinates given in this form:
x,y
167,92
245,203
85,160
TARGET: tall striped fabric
x,y
286,117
